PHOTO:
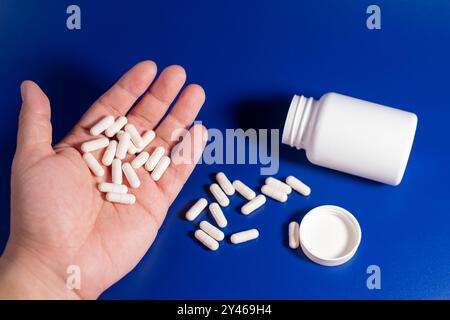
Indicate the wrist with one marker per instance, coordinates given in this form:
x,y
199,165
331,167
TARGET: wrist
x,y
23,276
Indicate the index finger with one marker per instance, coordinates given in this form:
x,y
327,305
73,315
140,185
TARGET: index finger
x,y
116,101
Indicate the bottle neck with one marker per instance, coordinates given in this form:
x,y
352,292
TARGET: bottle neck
x,y
299,122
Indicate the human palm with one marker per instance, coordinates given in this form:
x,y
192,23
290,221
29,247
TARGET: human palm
x,y
59,218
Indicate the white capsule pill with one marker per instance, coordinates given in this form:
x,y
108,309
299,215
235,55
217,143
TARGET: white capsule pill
x,y
206,240
110,153
140,160
112,187
122,147
119,134
131,175
218,215
212,231
134,134
95,144
196,209
244,190
126,198
132,149
116,171
116,126
102,125
219,195
154,158
280,185
274,193
93,164
244,236
147,138
253,204
294,236
160,168
298,186
225,184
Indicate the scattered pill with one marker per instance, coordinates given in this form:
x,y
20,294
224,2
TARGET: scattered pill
x,y
130,141
160,168
140,160
244,236
116,171
196,209
294,236
116,126
274,193
131,175
126,198
95,144
122,147
280,185
93,164
253,204
102,125
218,215
219,195
244,190
206,240
110,153
154,158
212,231
147,138
134,134
225,184
298,186
112,187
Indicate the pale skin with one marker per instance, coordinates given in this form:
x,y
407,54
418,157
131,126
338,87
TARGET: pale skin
x,y
60,219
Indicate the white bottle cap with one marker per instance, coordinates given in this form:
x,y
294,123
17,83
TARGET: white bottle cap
x,y
329,235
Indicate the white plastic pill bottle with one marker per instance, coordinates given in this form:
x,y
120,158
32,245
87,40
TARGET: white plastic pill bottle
x,y
352,135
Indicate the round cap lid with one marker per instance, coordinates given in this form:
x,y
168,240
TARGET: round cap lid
x,y
329,235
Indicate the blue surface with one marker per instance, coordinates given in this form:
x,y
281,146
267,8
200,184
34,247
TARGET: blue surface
x,y
251,57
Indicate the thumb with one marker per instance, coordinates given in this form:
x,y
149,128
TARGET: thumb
x,y
35,130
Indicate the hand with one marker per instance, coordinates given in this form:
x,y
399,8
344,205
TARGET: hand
x,y
59,218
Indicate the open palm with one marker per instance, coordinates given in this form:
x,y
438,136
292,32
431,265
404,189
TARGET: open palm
x,y
59,218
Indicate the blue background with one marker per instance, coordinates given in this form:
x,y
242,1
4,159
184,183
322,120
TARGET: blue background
x,y
251,57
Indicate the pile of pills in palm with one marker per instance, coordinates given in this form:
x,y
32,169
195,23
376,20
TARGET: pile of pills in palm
x,y
130,142
210,235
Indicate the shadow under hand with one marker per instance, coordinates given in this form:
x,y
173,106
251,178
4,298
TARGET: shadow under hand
x,y
71,89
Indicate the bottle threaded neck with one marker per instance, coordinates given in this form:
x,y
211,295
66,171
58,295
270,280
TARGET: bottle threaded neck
x,y
297,122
